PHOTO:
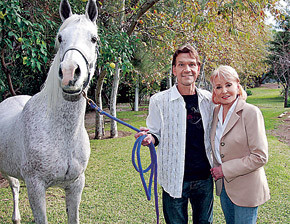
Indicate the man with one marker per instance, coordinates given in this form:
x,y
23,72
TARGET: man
x,y
179,122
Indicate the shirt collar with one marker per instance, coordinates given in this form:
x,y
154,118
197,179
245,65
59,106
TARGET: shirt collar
x,y
220,114
174,93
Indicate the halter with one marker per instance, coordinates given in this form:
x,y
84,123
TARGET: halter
x,y
89,65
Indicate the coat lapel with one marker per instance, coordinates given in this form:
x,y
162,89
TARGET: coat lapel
x,y
235,117
213,131
214,123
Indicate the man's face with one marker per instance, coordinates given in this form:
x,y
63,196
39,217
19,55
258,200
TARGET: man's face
x,y
186,69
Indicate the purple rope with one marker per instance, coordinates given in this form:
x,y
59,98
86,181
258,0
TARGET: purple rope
x,y
138,166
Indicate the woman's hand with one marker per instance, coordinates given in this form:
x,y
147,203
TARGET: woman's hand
x,y
148,139
217,172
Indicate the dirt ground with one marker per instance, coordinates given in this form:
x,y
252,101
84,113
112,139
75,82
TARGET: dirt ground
x,y
282,132
90,126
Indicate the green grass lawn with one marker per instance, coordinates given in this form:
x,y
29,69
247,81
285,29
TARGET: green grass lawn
x,y
113,192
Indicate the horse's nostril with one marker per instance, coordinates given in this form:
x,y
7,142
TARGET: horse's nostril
x,y
71,82
60,73
77,72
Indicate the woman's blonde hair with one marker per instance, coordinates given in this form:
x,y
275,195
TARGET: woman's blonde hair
x,y
227,72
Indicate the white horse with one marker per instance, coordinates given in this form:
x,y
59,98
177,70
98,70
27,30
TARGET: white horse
x,y
43,140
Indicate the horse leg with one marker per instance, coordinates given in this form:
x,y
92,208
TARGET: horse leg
x,y
36,196
15,187
73,193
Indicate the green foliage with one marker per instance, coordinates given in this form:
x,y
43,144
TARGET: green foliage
x,y
24,46
129,83
249,92
278,59
116,47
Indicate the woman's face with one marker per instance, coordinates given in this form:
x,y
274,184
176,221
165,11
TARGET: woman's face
x,y
226,91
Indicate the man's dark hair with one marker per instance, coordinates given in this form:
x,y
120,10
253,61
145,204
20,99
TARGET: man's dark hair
x,y
186,49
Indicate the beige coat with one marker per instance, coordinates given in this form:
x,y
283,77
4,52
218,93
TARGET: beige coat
x,y
244,151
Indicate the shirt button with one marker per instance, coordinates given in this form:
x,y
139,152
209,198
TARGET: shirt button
x,y
222,155
222,143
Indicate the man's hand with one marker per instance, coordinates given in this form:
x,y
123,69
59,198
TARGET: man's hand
x,y
148,139
217,172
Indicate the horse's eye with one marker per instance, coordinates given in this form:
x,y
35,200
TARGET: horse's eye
x,y
59,39
94,39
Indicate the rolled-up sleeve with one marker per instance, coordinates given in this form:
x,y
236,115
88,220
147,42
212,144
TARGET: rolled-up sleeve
x,y
153,120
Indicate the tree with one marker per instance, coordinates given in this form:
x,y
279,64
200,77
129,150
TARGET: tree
x,y
140,36
225,32
228,32
117,23
279,57
24,47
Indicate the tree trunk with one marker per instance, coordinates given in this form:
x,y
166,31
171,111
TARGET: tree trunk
x,y
146,6
7,73
99,131
136,105
202,83
286,88
288,84
287,92
286,97
113,98
169,79
113,102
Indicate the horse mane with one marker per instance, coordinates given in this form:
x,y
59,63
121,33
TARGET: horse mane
x,y
51,90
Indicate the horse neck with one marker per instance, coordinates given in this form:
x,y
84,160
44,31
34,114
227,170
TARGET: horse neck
x,y
61,112
74,111
57,108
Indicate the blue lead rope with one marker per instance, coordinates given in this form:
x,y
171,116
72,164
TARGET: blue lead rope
x,y
136,154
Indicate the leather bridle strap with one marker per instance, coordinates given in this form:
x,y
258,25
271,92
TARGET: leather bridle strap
x,y
89,65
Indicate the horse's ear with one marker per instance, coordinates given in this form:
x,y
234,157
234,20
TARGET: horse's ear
x,y
64,10
92,10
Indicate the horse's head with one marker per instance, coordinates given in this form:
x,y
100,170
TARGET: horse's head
x,y
77,42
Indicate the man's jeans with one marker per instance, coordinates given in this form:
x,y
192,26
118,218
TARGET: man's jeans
x,y
236,214
200,195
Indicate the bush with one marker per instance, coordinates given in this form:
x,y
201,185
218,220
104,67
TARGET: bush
x,y
249,92
24,46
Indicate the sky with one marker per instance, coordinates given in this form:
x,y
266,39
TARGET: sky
x,y
282,5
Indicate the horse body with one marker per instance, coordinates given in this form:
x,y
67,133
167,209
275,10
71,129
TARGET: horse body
x,y
58,150
11,151
43,139
53,149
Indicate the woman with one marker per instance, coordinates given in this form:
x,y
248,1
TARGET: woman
x,y
240,149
